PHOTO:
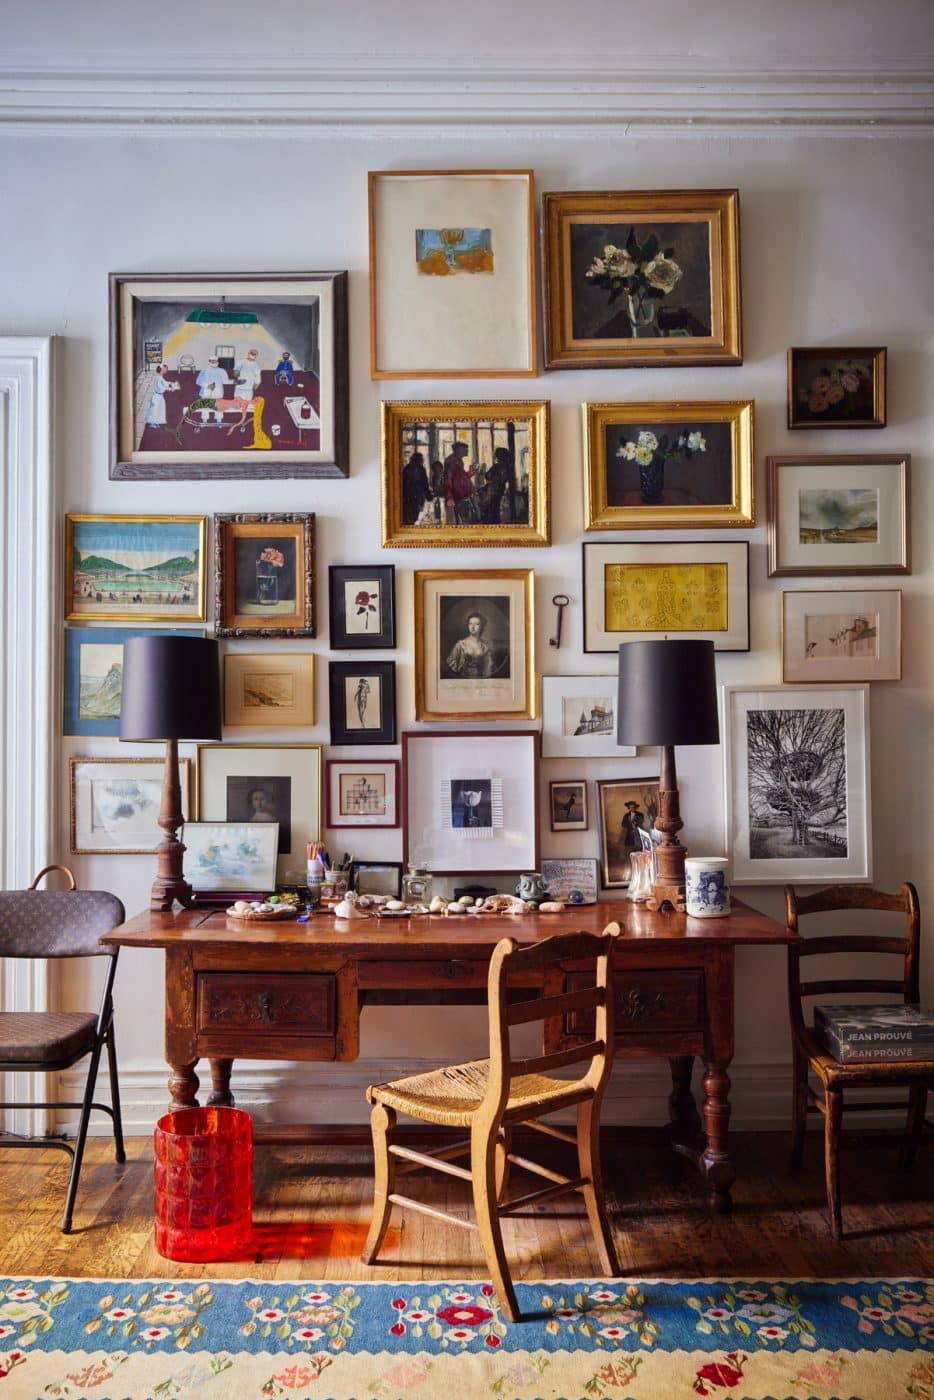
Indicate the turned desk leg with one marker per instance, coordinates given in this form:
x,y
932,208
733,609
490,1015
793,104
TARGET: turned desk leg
x,y
684,1120
183,1085
220,1095
715,1160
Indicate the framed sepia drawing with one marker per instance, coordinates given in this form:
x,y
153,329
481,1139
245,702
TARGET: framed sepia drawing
x,y
567,803
841,635
452,274
264,783
222,376
269,690
362,792
647,592
836,515
135,568
94,676
797,784
836,387
624,807
643,277
362,606
465,474
659,465
471,801
474,644
579,718
115,804
264,575
363,702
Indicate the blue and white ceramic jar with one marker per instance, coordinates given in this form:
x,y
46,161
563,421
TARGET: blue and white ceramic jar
x,y
707,892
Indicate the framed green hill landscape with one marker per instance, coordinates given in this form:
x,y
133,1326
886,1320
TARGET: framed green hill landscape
x,y
145,568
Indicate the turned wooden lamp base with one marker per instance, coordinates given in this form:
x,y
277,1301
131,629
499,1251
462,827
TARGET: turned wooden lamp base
x,y
668,885
170,886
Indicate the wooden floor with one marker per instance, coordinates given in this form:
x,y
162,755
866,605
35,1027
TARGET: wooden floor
x,y
311,1211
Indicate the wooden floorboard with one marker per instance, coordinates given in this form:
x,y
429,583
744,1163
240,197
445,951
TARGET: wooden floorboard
x,y
312,1204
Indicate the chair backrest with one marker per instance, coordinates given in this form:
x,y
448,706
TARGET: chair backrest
x,y
57,923
542,961
838,899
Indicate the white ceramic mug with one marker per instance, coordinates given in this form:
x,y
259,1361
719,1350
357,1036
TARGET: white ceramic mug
x,y
707,891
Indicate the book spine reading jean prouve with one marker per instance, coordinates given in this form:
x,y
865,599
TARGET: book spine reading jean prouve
x,y
851,1052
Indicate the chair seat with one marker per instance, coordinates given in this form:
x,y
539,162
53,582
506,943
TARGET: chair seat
x,y
858,1072
451,1096
45,1037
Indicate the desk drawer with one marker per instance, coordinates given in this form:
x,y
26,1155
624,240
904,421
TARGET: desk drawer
x,y
299,1003
669,999
440,972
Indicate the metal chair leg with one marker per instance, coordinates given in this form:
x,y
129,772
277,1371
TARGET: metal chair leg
x,y
81,1139
119,1149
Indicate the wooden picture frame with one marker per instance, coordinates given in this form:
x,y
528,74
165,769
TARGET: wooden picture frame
x,y
264,575
269,689
645,592
642,278
93,676
833,515
135,568
567,804
836,387
362,701
470,804
228,375
468,475
362,606
452,274
796,771
683,465
362,792
623,805
474,644
263,783
114,804
841,635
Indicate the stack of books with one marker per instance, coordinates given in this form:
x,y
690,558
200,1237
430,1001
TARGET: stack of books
x,y
853,1033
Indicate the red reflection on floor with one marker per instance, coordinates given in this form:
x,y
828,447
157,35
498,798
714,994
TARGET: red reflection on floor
x,y
301,1239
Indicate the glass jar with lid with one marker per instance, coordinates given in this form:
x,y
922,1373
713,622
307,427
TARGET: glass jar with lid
x,y
416,885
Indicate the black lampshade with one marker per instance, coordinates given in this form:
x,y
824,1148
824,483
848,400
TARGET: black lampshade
x,y
667,694
171,688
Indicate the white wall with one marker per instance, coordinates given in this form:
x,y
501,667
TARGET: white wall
x,y
100,176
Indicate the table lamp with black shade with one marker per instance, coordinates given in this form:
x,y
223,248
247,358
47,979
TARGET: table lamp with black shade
x,y
667,696
171,691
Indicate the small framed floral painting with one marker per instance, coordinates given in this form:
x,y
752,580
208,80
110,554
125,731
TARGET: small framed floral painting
x,y
836,387
645,277
264,575
658,465
363,702
362,606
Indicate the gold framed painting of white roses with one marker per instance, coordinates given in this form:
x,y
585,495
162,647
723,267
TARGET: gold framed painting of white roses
x,y
663,465
644,277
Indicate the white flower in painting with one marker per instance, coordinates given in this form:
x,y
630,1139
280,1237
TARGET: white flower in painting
x,y
647,439
627,450
662,273
697,442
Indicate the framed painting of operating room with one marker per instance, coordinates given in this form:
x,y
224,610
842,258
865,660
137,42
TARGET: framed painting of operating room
x,y
220,375
474,644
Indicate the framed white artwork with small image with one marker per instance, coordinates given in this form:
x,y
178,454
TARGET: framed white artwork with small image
x,y
842,635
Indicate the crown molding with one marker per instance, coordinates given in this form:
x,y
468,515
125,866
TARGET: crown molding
x,y
371,95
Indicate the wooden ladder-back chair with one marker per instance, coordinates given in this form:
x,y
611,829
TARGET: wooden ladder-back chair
x,y
489,1097
61,924
809,1051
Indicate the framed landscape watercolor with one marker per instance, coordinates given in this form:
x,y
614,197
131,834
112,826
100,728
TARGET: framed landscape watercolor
x,y
838,635
659,465
465,474
452,274
94,676
579,718
474,644
647,592
263,783
270,690
115,804
797,784
222,376
836,515
135,568
363,702
642,277
264,575
624,807
362,792
836,387
471,801
567,804
239,857
362,606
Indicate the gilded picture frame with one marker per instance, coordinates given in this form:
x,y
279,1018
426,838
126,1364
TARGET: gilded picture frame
x,y
135,568
264,575
114,804
269,689
264,783
836,386
687,465
642,278
465,474
474,644
835,515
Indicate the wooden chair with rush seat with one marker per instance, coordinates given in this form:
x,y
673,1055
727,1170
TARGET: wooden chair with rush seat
x,y
809,1051
489,1097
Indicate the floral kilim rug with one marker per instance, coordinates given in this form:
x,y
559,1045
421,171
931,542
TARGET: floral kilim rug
x,y
83,1338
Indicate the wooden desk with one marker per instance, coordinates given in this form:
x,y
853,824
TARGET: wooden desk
x,y
294,992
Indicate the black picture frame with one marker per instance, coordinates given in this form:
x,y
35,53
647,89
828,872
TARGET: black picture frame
x,y
352,708
390,885
341,633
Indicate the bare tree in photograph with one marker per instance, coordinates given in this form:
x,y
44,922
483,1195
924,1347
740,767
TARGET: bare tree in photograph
x,y
797,783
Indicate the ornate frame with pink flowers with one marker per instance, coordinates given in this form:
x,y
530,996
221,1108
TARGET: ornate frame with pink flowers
x,y
837,386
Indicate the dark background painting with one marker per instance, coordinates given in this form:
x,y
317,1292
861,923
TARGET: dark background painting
x,y
699,478
454,613
591,313
278,794
478,815
246,557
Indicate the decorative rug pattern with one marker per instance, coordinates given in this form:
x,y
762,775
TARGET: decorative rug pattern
x,y
751,1340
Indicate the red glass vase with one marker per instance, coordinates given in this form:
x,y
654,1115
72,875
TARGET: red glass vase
x,y
204,1183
